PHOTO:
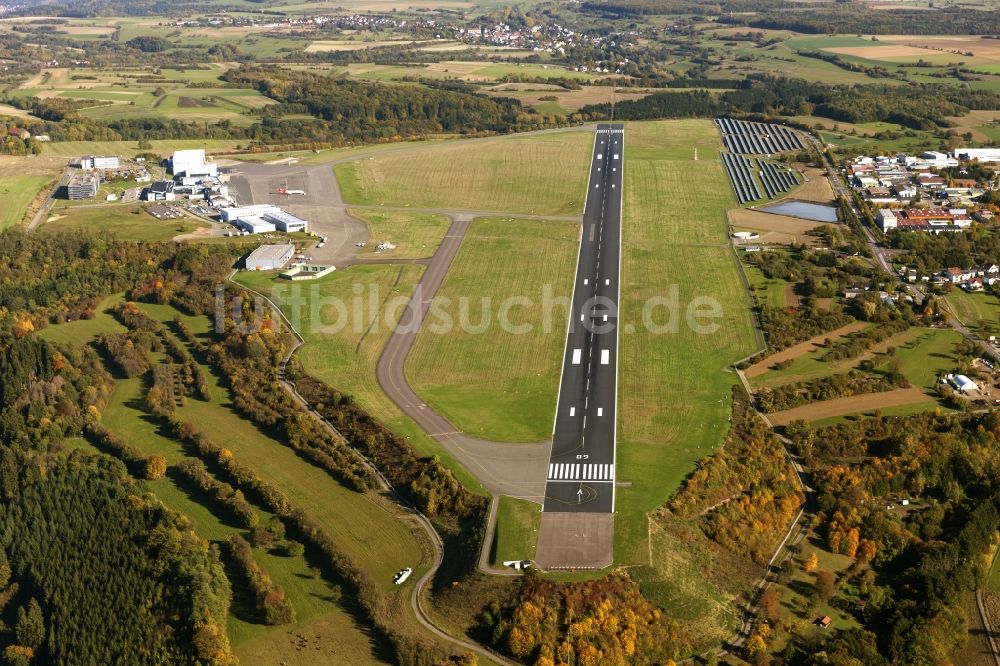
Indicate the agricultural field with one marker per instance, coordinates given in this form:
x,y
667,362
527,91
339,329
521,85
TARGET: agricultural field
x,y
415,235
162,147
131,93
479,373
921,355
979,311
543,174
674,394
516,530
551,98
18,192
125,221
343,350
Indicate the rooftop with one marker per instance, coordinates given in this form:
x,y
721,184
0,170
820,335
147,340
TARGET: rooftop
x,y
270,252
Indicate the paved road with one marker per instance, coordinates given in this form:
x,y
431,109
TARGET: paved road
x,y
581,472
43,212
502,467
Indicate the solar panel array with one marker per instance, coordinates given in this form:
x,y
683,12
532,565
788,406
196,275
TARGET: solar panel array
x,y
752,138
776,180
738,168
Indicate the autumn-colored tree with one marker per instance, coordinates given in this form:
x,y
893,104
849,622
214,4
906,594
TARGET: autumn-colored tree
x,y
769,604
825,586
811,562
849,546
156,467
867,550
755,645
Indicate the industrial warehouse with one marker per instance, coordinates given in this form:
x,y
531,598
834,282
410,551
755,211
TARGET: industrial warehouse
x,y
262,218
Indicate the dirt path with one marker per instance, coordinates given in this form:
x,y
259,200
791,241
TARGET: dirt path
x,y
850,405
802,348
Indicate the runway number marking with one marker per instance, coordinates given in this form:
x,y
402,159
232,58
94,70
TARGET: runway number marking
x,y
600,411
572,411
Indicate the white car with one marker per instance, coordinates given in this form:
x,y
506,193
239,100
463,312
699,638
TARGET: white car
x,y
402,575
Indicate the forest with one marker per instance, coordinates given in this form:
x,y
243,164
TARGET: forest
x,y
915,567
924,106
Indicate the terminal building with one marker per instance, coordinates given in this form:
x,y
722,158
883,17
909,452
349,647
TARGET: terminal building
x,y
192,163
269,257
94,162
83,186
262,218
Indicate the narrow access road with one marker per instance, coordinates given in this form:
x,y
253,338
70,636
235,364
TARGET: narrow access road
x,y
43,213
416,597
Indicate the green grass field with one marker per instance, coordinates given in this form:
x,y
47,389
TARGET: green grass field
x,y
771,293
993,581
17,193
344,354
82,330
979,311
544,174
516,531
674,394
926,358
479,376
124,221
415,235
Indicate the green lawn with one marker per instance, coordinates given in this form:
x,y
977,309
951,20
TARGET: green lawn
x,y
343,349
925,359
516,530
17,193
82,330
674,394
993,581
544,174
479,373
124,221
415,235
771,293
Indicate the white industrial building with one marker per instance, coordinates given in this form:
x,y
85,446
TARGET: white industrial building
x,y
94,162
262,218
962,383
161,190
192,163
269,257
981,154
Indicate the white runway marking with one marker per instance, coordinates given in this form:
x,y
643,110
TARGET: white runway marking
x,y
607,281
605,356
600,411
572,411
581,472
576,356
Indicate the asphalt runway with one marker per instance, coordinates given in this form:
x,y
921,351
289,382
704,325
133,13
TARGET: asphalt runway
x,y
581,472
